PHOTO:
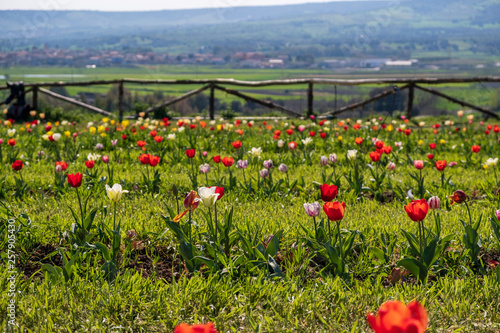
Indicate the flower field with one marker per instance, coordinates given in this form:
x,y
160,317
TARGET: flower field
x,y
313,225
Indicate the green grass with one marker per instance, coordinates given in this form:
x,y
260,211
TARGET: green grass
x,y
307,297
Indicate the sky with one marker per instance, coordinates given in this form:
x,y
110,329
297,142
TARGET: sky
x,y
121,5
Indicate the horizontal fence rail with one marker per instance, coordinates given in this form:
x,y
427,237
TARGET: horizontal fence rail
x,y
217,84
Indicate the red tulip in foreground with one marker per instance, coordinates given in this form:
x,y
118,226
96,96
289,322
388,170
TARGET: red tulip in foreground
x,y
227,161
396,317
334,210
75,179
199,328
417,210
328,192
441,165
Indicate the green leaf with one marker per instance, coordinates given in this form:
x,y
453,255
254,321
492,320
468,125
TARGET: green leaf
x,y
415,267
104,250
429,253
378,253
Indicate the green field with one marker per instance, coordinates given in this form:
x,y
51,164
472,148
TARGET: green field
x,y
298,288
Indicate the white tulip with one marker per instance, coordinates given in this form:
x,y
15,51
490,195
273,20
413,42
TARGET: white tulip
x,y
255,152
11,132
207,196
491,162
115,193
351,154
93,157
307,141
171,137
56,136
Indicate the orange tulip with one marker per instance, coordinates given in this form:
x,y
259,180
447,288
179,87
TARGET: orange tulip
x,y
334,210
441,165
394,316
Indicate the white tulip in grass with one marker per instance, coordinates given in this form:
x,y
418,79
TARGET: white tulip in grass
x,y
115,193
207,196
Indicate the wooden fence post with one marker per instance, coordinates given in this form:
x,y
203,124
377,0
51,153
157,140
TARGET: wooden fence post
x,y
212,102
310,99
120,100
34,100
411,95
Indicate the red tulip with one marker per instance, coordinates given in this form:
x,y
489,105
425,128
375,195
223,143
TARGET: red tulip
x,y
63,165
387,150
432,145
379,144
292,145
334,210
75,180
312,133
144,158
407,132
237,144
289,131
216,159
200,328
328,192
11,142
158,138
417,210
17,165
441,165
430,156
124,136
154,160
153,133
219,190
141,143
358,141
190,153
394,316
90,164
227,161
476,149
375,156
323,135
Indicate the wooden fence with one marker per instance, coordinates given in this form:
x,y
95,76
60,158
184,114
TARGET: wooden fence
x,y
218,84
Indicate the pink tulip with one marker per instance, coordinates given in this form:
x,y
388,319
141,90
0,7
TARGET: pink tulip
x,y
391,166
312,209
419,164
434,202
105,159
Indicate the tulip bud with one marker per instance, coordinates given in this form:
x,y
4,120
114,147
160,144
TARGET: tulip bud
x,y
268,164
452,164
333,158
283,168
41,153
264,173
204,154
419,164
391,166
242,164
312,209
204,168
459,197
323,160
434,202
174,190
281,143
497,213
58,168
105,159
114,142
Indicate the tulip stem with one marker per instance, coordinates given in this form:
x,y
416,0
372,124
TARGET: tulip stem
x,y
468,211
315,228
341,246
216,224
114,217
80,202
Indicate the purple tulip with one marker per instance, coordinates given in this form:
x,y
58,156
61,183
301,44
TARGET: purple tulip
x,y
99,146
268,164
264,173
283,168
323,160
242,164
204,168
333,158
312,209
